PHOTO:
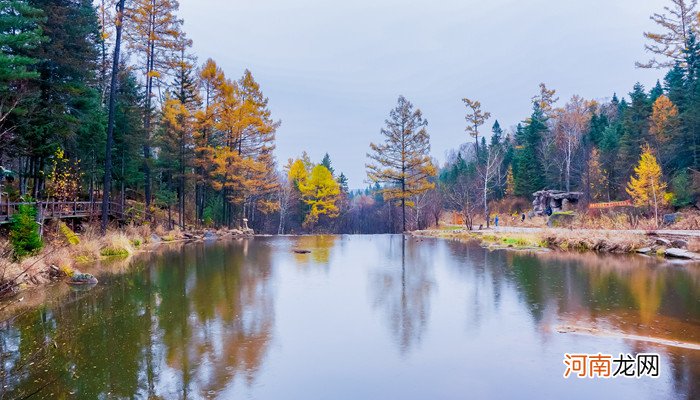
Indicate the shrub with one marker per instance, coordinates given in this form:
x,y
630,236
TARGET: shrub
x,y
114,252
24,232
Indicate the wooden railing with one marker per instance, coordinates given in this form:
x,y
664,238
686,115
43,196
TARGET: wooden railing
x,y
67,209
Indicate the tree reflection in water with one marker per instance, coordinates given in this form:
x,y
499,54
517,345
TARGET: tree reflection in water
x,y
198,321
189,323
402,290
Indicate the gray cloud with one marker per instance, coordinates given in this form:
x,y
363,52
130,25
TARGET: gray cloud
x,y
333,70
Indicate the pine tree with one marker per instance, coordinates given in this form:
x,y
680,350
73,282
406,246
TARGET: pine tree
x,y
496,134
636,130
67,111
20,31
402,163
343,182
128,132
326,162
527,166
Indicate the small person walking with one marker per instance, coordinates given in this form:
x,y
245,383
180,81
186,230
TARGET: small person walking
x,y
495,221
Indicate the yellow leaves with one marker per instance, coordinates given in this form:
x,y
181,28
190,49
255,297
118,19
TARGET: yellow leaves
x,y
647,188
317,188
63,181
663,118
320,191
298,173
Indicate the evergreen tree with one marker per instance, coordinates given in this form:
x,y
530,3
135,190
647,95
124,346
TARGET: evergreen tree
x,y
326,162
496,134
655,92
20,31
636,130
527,170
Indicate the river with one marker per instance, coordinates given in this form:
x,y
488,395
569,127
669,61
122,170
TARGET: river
x,y
360,317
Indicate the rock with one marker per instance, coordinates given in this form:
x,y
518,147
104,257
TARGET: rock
x,y
680,253
155,238
663,242
679,244
644,250
670,219
209,236
237,232
82,279
299,251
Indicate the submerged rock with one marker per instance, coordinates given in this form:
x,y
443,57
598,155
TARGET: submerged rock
x,y
82,279
302,251
209,235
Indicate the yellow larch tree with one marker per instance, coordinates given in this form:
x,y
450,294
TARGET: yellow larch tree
x,y
152,30
402,163
321,192
664,118
211,78
647,187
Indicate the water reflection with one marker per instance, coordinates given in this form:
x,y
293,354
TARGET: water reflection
x,y
359,317
184,325
402,289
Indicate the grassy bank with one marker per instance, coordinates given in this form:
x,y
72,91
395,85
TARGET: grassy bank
x,y
65,253
601,241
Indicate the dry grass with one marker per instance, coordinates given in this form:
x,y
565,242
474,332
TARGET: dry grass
x,y
613,242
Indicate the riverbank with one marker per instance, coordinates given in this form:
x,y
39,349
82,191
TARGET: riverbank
x,y
66,253
675,244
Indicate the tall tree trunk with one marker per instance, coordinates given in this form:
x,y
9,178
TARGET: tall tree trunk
x,y
147,119
110,120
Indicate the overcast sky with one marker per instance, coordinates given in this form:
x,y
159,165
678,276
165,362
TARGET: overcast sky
x,y
333,69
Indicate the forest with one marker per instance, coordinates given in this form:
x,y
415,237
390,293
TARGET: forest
x,y
105,101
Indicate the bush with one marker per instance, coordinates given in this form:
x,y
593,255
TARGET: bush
x,y
24,232
682,190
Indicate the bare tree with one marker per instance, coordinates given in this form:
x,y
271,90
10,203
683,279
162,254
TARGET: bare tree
x,y
464,195
572,122
284,196
488,170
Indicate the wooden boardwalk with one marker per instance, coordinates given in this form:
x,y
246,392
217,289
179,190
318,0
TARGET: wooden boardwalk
x,y
64,209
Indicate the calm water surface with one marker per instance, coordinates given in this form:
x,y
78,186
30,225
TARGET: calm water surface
x,y
361,317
